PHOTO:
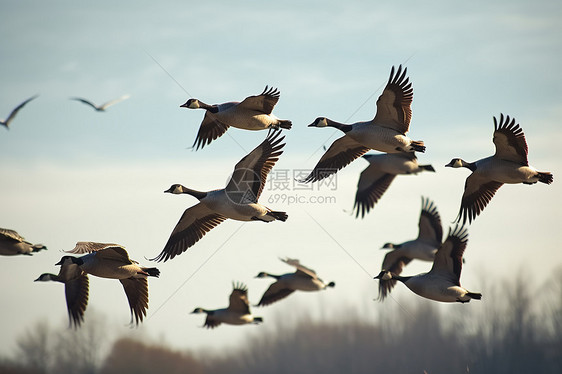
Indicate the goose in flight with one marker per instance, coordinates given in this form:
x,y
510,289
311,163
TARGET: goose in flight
x,y
508,165
442,282
423,248
386,132
76,292
377,177
102,107
12,243
112,261
7,121
237,313
238,200
303,279
253,113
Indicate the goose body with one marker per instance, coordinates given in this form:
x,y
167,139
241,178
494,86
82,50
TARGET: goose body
x,y
442,282
253,113
303,279
508,165
102,107
386,132
377,177
237,312
6,122
12,244
238,200
112,261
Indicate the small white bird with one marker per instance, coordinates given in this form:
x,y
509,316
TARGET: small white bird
x,y
112,261
254,113
12,243
304,279
377,177
237,313
7,121
422,248
238,200
102,107
508,165
386,132
442,282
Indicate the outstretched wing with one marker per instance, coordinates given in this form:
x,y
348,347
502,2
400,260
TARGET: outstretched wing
x,y
509,140
238,300
12,235
87,102
210,129
16,110
430,227
394,105
136,290
301,269
477,194
394,261
448,258
372,184
275,292
114,101
107,251
263,102
76,292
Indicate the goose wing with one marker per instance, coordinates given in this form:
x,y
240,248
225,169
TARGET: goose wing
x,y
16,110
211,128
11,235
430,227
394,105
340,154
136,290
263,102
194,223
373,183
76,293
301,269
114,101
211,322
275,292
394,261
105,251
87,102
477,194
238,300
250,173
448,259
509,140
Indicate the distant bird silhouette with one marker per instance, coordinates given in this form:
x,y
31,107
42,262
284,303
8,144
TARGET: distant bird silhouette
x,y
508,165
237,313
304,279
112,261
104,106
12,243
386,132
442,282
238,200
377,177
424,247
7,121
254,113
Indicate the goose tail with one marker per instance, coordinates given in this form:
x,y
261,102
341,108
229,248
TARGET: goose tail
x,y
427,167
545,177
474,295
257,320
285,124
417,146
281,216
153,272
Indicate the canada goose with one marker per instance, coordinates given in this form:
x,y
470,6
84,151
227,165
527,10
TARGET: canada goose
x,y
304,279
238,200
254,113
12,243
75,289
237,313
7,121
385,133
423,248
442,282
112,261
102,107
377,177
508,165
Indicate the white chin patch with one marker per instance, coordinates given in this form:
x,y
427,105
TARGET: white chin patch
x,y
194,105
322,123
386,276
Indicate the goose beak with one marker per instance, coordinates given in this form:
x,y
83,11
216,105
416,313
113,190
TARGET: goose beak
x,y
59,263
169,190
312,125
184,105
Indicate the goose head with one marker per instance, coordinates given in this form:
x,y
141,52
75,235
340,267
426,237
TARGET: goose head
x,y
262,274
191,104
384,275
388,246
176,189
45,277
456,163
198,311
69,260
319,122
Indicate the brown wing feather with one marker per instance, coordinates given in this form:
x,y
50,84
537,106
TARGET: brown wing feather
x,y
448,259
264,102
76,294
275,292
395,264
136,290
509,140
238,300
371,186
210,129
430,227
477,194
394,105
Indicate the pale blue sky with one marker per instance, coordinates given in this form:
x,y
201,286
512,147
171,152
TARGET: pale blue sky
x,y
71,174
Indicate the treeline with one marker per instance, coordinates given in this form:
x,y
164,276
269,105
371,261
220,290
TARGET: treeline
x,y
520,332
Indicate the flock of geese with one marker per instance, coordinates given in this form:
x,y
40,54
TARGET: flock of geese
x,y
239,200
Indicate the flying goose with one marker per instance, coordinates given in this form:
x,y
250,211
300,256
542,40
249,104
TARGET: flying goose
x,y
12,243
7,121
442,282
112,261
377,177
508,165
385,132
423,248
304,279
75,289
254,113
102,107
237,313
238,200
